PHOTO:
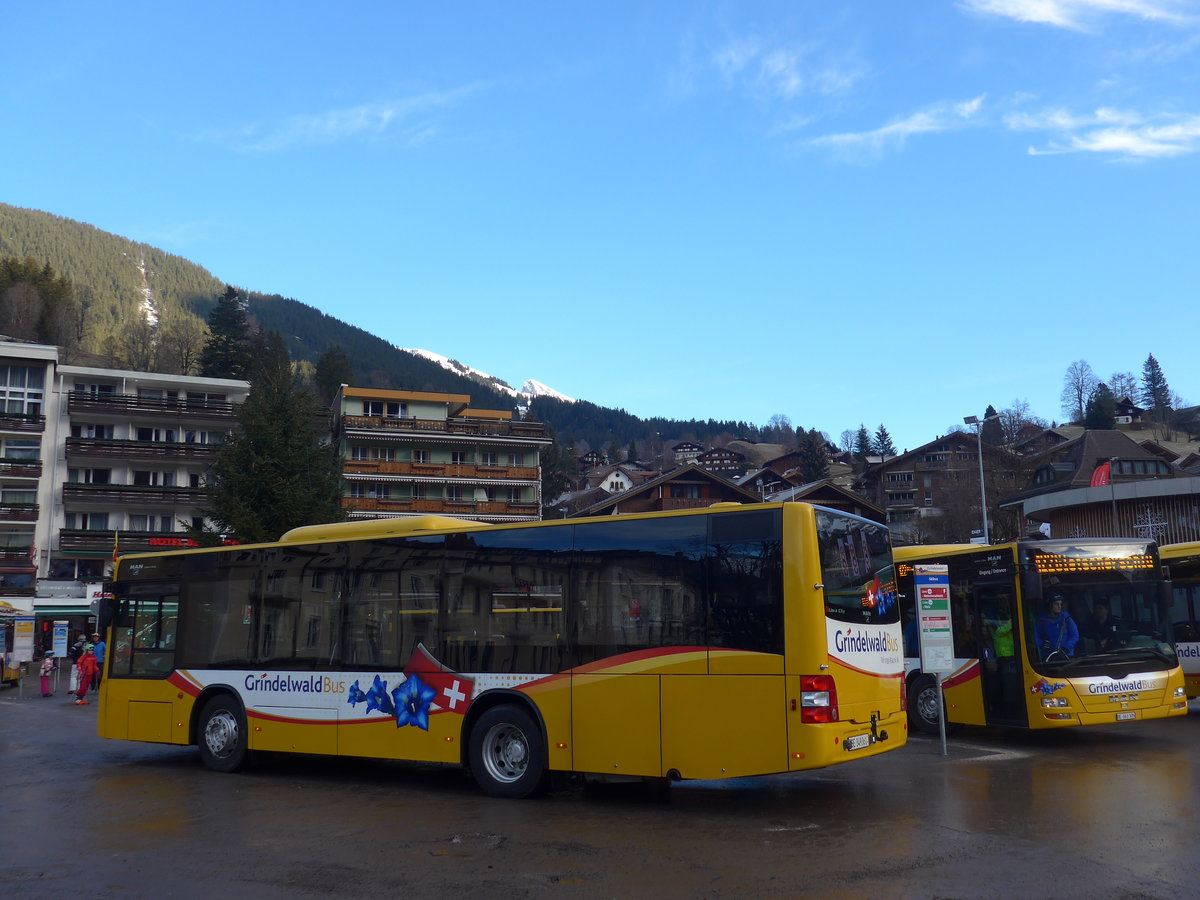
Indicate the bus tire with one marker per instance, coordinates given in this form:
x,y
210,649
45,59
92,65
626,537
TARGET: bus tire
x,y
507,753
221,735
923,704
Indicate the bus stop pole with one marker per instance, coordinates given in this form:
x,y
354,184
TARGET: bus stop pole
x,y
941,714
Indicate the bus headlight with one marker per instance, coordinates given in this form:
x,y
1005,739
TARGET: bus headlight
x,y
1054,701
1180,692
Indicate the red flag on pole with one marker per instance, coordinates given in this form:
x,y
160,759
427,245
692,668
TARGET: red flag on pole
x,y
1102,475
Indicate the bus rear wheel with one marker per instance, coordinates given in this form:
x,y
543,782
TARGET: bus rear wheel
x,y
222,735
508,753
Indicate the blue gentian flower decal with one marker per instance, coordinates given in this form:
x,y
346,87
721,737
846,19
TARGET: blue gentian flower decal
x,y
412,702
1046,688
377,698
356,695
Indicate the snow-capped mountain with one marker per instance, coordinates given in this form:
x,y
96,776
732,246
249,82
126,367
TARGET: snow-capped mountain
x,y
528,391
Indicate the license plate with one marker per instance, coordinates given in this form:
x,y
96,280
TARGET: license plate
x,y
1126,716
857,742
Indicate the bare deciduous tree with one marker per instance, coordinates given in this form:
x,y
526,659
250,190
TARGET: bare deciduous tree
x,y
1078,385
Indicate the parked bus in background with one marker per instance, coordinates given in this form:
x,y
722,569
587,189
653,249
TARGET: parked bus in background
x,y
1183,564
731,641
1047,634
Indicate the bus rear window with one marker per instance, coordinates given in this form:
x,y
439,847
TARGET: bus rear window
x,y
856,569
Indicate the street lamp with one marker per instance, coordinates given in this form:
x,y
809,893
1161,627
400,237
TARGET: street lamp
x,y
974,420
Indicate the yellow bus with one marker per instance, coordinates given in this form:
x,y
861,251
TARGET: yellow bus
x,y
1047,634
703,644
1183,563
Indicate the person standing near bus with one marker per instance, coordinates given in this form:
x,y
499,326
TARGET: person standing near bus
x,y
87,671
1055,630
1000,630
99,647
47,671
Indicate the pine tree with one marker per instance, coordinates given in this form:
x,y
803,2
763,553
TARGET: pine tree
x,y
558,464
227,352
993,427
813,455
862,443
279,471
1156,394
333,370
882,443
1101,409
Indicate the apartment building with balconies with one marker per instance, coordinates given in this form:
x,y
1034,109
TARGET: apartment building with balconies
x,y
26,371
133,452
411,453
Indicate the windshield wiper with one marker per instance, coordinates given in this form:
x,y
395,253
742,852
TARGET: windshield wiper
x,y
1122,655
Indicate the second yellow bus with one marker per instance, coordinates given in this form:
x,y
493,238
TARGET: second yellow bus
x,y
1047,634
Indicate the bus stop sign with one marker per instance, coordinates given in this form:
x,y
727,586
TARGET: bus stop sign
x,y
932,584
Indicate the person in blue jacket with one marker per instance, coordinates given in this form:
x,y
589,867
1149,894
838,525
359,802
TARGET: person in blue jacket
x,y
1056,630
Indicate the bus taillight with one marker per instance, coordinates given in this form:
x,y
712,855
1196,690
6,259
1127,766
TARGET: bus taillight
x,y
818,698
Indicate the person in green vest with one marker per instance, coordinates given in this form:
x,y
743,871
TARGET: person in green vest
x,y
1001,629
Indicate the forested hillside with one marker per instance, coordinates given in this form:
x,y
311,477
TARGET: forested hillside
x,y
130,305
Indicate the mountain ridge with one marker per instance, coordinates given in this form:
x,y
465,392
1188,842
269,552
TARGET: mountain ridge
x,y
141,308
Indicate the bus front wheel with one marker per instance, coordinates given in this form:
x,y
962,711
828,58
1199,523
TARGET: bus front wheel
x,y
923,704
508,753
222,735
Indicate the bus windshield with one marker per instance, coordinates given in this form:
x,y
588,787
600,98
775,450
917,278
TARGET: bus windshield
x,y
1097,602
856,570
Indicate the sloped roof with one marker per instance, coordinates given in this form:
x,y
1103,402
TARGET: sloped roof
x,y
636,475
836,496
757,455
1084,453
690,472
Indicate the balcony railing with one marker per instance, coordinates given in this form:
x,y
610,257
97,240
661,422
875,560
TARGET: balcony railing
x,y
88,448
440,470
447,507
13,556
79,541
21,468
123,404
19,512
142,495
480,427
21,422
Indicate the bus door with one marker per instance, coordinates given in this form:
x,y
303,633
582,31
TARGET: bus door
x,y
999,656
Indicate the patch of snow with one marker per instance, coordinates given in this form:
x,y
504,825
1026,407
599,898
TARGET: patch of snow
x,y
149,310
529,389
533,388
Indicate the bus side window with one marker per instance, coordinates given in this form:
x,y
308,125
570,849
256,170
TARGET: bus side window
x,y
637,585
1182,613
747,597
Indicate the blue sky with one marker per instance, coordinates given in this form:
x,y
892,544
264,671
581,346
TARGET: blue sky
x,y
870,213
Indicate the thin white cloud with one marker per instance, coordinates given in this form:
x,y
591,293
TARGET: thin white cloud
x,y
931,120
1121,134
1079,14
404,120
784,72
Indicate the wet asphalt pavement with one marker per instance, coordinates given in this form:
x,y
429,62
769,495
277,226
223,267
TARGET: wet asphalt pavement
x,y
1099,813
